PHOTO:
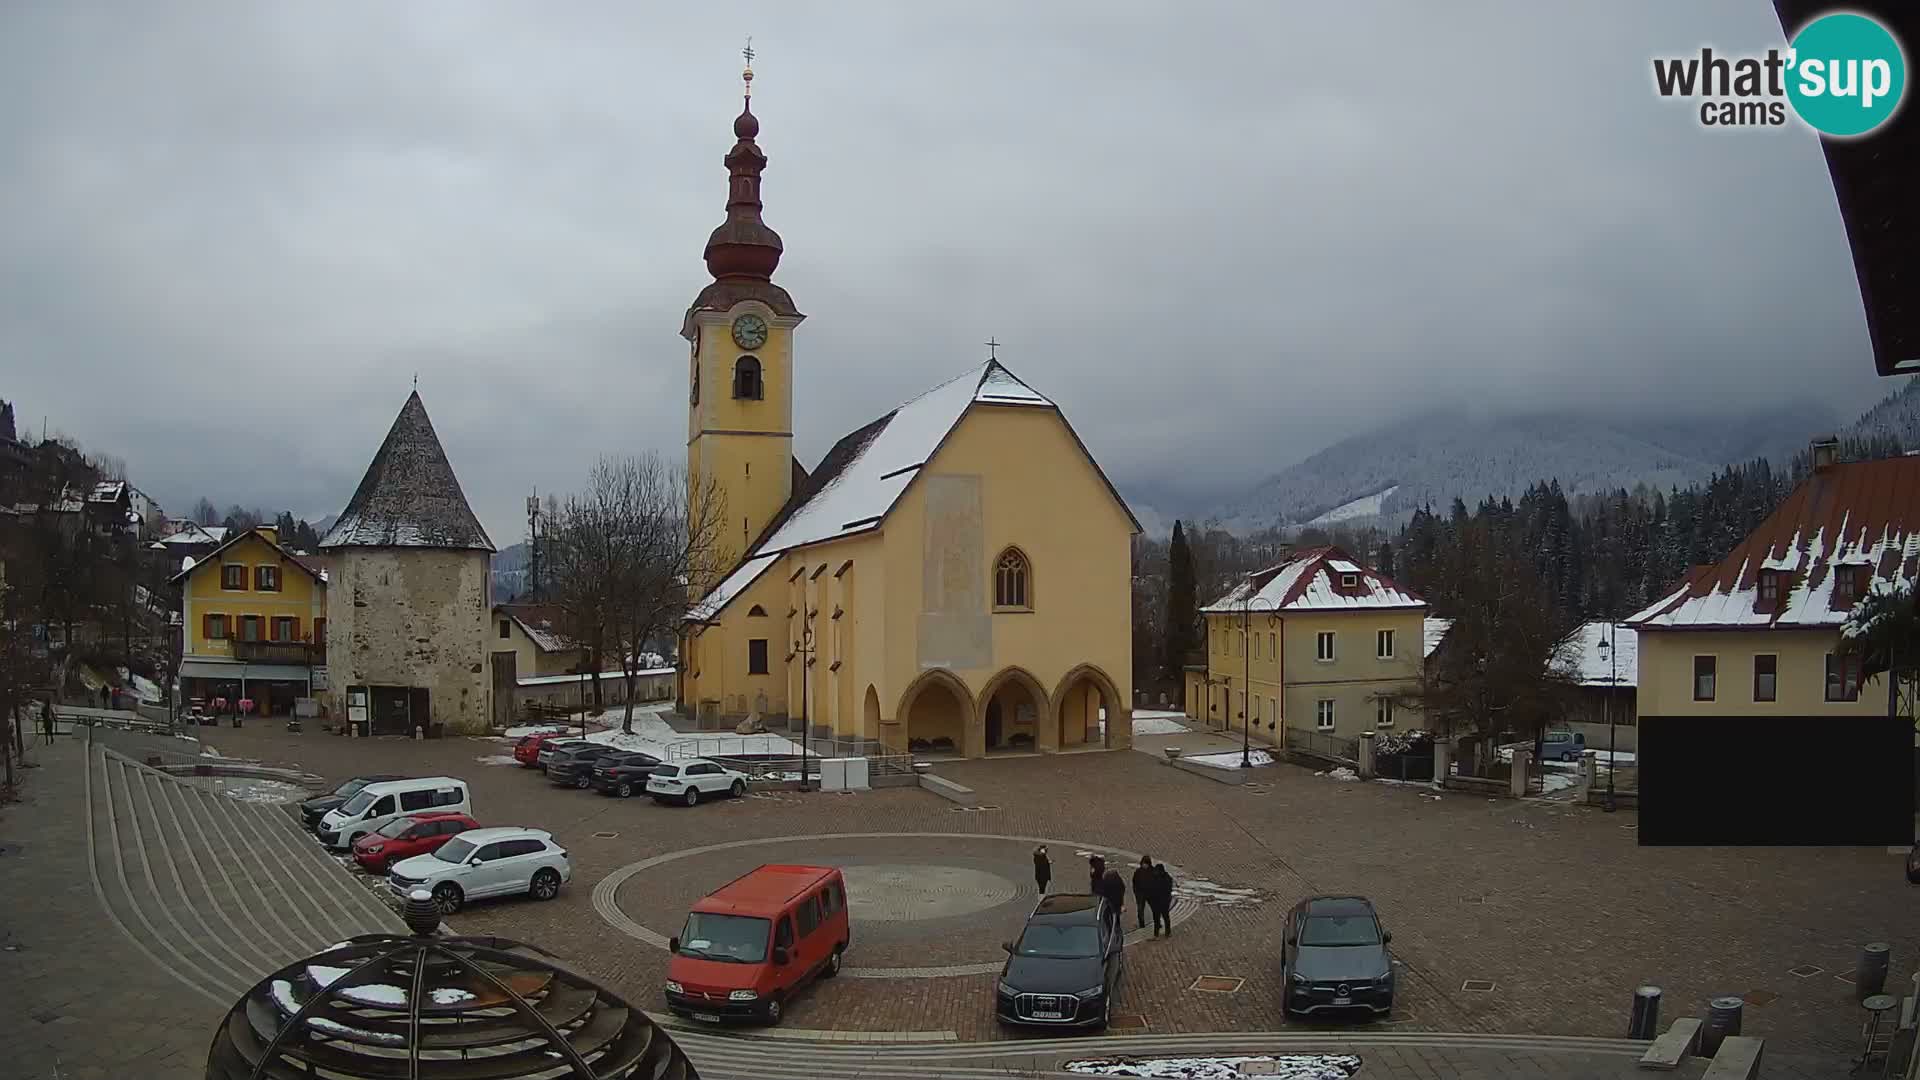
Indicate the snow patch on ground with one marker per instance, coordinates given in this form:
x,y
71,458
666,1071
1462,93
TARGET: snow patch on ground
x,y
497,759
260,791
1159,723
1343,774
1285,1067
533,729
1212,894
1230,759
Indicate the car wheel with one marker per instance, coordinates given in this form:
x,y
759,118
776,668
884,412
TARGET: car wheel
x,y
1568,756
447,897
738,789
583,783
833,965
691,796
771,1011
625,790
546,884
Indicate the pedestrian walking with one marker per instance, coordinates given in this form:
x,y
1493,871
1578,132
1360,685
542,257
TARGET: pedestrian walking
x,y
106,697
1096,871
1042,868
46,723
1162,901
1144,884
1114,891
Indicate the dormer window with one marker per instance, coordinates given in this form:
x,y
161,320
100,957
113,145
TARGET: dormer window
x,y
746,379
1769,589
1349,581
1848,585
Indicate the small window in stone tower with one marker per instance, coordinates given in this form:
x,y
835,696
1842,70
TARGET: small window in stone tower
x,y
746,379
1011,585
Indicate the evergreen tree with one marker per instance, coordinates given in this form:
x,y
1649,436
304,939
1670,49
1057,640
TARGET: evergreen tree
x,y
1182,630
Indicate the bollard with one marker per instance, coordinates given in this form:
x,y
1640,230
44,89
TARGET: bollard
x,y
1723,1019
1645,1021
419,733
1870,974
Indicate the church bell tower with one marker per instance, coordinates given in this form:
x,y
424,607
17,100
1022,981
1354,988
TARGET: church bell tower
x,y
740,371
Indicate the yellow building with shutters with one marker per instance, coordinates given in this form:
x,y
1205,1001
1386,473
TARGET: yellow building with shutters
x,y
253,624
952,577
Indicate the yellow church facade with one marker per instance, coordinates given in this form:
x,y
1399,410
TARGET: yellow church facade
x,y
952,577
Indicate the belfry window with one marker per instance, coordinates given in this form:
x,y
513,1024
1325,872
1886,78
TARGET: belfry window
x,y
746,379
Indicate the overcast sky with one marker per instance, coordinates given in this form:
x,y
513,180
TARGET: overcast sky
x,y
1221,236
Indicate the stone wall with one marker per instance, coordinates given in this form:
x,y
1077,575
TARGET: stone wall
x,y
412,617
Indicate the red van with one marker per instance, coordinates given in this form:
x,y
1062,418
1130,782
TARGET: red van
x,y
753,942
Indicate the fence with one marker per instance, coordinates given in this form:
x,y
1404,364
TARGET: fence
x,y
1412,766
1323,745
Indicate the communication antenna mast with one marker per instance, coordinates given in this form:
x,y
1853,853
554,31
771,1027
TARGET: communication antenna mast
x,y
533,545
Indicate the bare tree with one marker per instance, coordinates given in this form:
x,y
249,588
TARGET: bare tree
x,y
622,552
205,513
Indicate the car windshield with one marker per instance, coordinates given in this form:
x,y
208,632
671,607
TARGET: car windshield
x,y
1059,942
358,803
1332,931
667,770
351,788
456,850
733,939
397,827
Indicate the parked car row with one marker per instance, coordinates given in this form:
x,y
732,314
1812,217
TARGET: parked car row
x,y
573,762
420,832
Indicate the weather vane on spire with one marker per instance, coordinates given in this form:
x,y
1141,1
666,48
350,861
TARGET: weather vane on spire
x,y
747,75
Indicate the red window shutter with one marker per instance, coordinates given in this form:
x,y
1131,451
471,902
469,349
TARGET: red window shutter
x,y
206,627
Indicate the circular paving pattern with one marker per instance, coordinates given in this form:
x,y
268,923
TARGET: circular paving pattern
x,y
921,905
908,892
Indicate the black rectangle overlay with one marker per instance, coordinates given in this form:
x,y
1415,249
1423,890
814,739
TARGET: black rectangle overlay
x,y
1802,781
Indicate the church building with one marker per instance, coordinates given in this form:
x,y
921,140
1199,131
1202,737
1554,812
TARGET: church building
x,y
954,576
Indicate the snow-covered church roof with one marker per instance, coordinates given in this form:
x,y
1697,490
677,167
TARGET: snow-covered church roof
x,y
409,496
866,472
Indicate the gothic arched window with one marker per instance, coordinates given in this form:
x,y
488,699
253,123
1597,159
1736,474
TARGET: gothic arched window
x,y
1013,581
746,379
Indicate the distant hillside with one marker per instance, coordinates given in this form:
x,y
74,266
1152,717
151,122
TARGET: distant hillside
x,y
1384,475
509,572
1897,415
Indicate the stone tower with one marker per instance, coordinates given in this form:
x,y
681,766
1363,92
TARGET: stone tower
x,y
408,598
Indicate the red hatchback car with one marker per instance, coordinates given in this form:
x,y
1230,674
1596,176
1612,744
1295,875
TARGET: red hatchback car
x,y
403,838
527,750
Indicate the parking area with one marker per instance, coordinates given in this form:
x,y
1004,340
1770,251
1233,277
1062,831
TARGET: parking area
x,y
1536,917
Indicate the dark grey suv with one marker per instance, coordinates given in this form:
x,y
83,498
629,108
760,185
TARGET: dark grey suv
x,y
1335,958
1064,968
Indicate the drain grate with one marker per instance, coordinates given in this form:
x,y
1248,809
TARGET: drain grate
x,y
1218,984
1478,986
1760,998
1805,971
605,835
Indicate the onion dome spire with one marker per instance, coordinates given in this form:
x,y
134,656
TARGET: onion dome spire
x,y
743,247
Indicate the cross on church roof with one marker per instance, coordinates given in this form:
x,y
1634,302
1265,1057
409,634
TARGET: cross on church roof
x,y
993,349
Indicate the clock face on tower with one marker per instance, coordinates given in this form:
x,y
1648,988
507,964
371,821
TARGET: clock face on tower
x,y
749,331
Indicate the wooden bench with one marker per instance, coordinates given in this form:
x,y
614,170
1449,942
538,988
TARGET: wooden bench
x,y
1670,1049
1737,1059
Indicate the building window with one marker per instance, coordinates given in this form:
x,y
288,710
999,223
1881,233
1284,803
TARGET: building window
x,y
1769,588
1843,678
1323,646
1323,714
1766,678
746,379
1383,712
249,628
757,656
1703,672
1846,585
1273,711
1256,646
214,627
1383,644
233,577
1349,581
266,578
506,629
284,629
1012,587
1273,645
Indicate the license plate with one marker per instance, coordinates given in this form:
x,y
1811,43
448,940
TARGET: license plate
x,y
1048,1014
708,1017
1343,1001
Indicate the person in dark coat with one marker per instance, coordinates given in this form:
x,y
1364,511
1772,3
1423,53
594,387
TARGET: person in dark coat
x,y
1144,884
1096,870
1161,900
1114,891
1042,868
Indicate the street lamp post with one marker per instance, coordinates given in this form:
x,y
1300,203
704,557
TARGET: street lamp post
x,y
1246,672
804,650
1611,643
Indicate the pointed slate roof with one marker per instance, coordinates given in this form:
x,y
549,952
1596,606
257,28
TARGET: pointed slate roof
x,y
409,497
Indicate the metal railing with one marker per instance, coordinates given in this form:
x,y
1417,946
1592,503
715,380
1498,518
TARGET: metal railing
x,y
1322,744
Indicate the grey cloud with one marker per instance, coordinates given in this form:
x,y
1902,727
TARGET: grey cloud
x,y
1221,237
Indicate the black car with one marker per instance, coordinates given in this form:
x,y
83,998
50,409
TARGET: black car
x,y
1064,968
624,773
313,810
1335,958
554,746
573,765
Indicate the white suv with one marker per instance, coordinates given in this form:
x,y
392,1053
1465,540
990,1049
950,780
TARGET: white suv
x,y
485,862
690,780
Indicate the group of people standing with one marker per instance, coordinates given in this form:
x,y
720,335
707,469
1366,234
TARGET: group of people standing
x,y
1152,889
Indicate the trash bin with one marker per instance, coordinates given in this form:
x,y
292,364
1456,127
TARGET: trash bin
x,y
1870,974
1723,1019
1645,1021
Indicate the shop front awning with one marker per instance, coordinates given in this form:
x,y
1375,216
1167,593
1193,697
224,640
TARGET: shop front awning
x,y
215,669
